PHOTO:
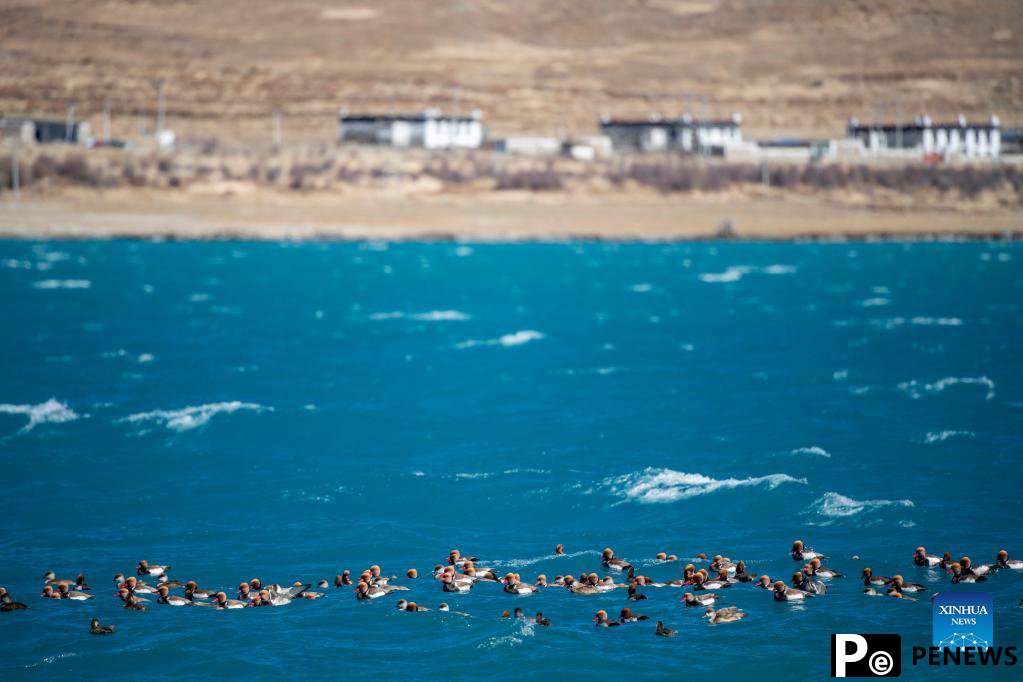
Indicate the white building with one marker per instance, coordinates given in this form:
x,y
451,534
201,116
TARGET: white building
x,y
947,140
429,129
685,134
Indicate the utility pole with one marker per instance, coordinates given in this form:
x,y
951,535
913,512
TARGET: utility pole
x,y
160,118
15,176
69,123
106,121
276,129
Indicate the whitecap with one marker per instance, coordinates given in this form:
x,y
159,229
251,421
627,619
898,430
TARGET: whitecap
x,y
50,412
940,436
387,316
478,474
939,321
835,505
779,270
641,288
515,339
146,357
441,316
16,264
812,450
658,485
192,417
522,563
916,389
733,274
876,301
62,284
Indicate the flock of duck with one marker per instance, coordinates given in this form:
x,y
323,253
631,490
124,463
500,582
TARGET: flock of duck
x,y
460,574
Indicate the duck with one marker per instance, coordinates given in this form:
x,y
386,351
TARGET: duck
x,y
783,593
171,599
690,599
663,631
8,604
579,587
823,571
50,578
323,585
627,616
221,602
802,581
193,592
600,618
634,594
870,579
343,578
722,563
922,558
541,581
559,550
725,615
801,553
900,585
958,576
449,584
609,560
410,606
702,583
1002,560
169,584
133,603
513,585
96,629
540,620
75,595
49,593
145,568
764,582
946,561
455,557
606,584
741,575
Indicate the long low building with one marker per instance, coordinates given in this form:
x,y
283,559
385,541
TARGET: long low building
x,y
685,134
429,129
28,130
959,138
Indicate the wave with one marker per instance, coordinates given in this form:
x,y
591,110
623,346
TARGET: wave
x,y
522,563
876,301
812,450
916,389
835,505
658,485
51,412
779,270
62,284
733,274
192,417
939,436
508,340
431,316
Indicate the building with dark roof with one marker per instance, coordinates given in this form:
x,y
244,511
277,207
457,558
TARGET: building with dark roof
x,y
684,134
429,129
957,138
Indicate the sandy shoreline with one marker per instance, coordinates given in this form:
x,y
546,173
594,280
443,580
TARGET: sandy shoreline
x,y
485,217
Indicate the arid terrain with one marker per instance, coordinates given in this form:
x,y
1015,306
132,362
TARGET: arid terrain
x,y
791,67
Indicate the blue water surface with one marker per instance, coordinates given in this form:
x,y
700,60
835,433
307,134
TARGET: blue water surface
x,y
285,411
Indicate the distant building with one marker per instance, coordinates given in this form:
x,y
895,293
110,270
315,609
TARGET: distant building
x,y
684,134
429,129
960,138
43,130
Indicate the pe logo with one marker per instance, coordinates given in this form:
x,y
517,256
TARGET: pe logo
x,y
866,655
962,620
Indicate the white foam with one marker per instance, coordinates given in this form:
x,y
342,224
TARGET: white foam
x,y
192,417
146,357
478,474
733,274
917,390
62,284
658,485
51,412
522,563
430,316
940,436
779,270
641,288
835,505
16,264
939,321
876,301
508,340
812,450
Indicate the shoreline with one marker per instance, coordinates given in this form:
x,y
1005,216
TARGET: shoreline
x,y
484,217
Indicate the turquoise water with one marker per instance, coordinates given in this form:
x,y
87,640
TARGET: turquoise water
x,y
286,411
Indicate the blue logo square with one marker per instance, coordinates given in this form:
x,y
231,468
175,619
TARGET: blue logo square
x,y
963,620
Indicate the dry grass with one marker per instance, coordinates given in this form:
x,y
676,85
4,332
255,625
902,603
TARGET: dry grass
x,y
530,65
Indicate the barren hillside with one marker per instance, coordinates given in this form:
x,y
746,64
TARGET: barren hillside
x,y
801,66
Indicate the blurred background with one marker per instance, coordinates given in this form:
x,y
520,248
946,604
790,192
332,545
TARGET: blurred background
x,y
861,105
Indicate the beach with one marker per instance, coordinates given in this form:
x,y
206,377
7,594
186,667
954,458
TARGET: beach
x,y
267,215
